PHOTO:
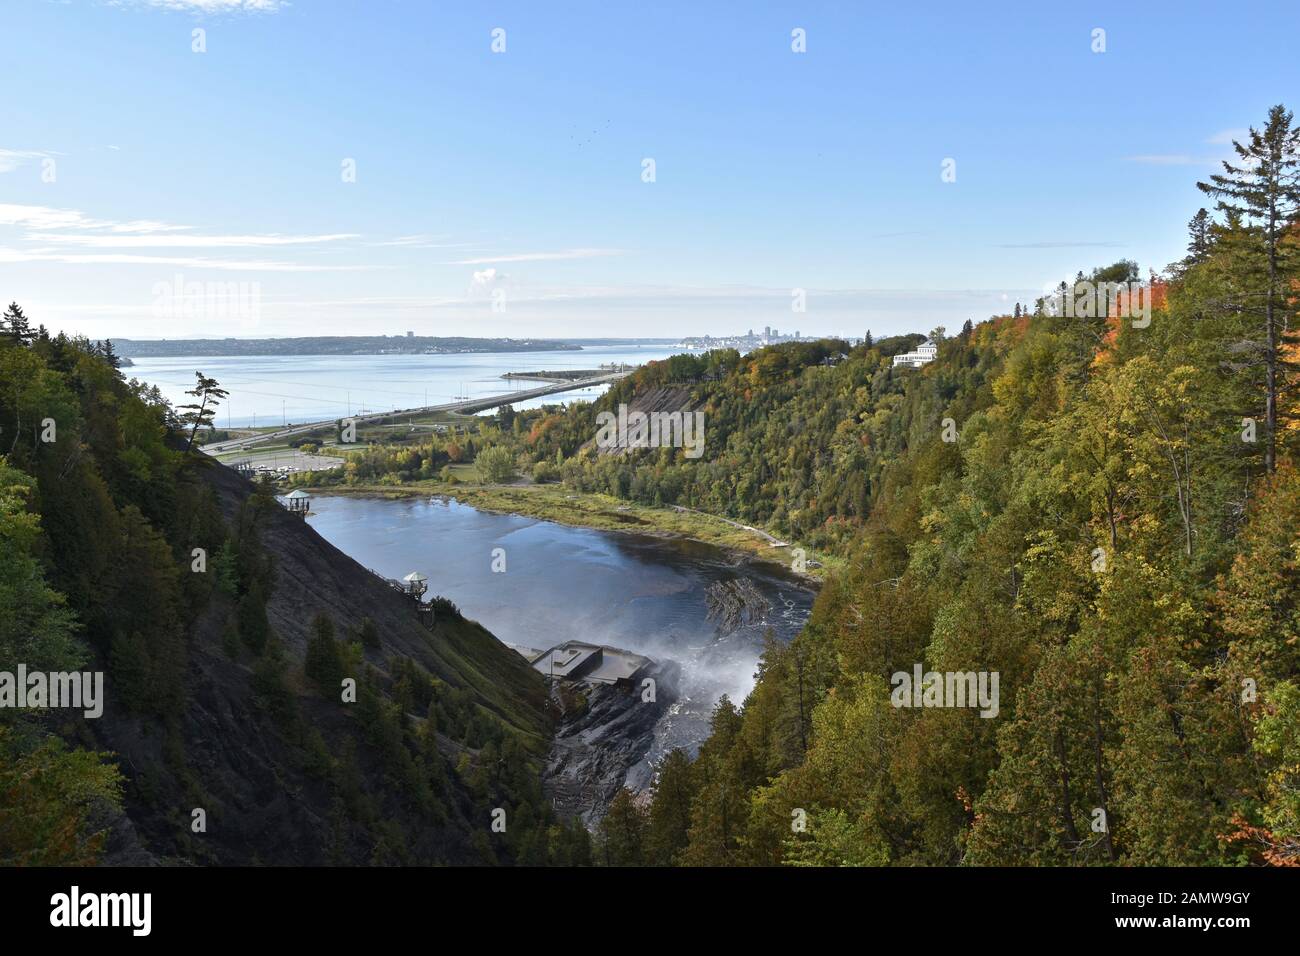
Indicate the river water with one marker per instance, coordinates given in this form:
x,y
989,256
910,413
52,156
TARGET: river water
x,y
640,592
279,389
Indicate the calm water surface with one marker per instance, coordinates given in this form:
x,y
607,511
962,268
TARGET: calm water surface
x,y
643,593
279,389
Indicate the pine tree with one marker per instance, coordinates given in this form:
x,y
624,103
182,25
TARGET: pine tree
x,y
668,829
206,390
622,832
110,354
324,662
1265,191
1200,238
14,327
368,633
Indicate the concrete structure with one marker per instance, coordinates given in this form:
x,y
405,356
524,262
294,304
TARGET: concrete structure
x,y
464,406
576,660
925,352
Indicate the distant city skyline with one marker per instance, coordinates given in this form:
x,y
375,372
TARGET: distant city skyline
x,y
258,168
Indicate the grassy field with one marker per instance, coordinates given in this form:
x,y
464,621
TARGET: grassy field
x,y
556,503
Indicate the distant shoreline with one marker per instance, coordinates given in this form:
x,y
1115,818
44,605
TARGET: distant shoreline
x,y
332,345
354,345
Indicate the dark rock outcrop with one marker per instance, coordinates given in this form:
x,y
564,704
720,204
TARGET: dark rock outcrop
x,y
602,740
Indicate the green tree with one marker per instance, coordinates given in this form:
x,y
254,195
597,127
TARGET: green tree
x,y
324,661
14,327
201,414
49,793
622,832
1264,191
495,464
669,824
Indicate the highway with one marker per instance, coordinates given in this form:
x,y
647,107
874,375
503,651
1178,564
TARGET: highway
x,y
465,407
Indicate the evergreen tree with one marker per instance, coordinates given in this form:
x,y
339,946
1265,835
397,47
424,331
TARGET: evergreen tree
x,y
1200,238
324,661
669,824
201,414
622,832
14,327
1264,190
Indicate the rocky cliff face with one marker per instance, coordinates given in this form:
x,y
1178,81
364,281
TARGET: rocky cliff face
x,y
227,756
660,399
602,740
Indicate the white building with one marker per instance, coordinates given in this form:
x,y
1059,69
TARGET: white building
x,y
925,352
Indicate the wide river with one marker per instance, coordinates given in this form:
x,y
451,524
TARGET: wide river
x,y
280,389
635,591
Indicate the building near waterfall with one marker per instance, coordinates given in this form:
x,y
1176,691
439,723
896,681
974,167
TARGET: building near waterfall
x,y
577,660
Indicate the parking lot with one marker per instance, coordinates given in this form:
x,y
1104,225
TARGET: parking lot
x,y
282,462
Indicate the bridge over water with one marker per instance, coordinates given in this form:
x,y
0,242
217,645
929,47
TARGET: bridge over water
x,y
467,407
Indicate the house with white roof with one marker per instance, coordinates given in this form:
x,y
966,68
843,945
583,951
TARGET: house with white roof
x,y
925,352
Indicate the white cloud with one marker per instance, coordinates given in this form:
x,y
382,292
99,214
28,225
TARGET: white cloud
x,y
216,6
1225,137
11,159
46,217
1167,159
49,229
1061,244
489,283
145,225
422,241
539,256
121,240
416,240
189,262
1222,138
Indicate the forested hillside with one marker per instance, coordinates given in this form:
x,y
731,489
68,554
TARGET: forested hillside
x,y
1114,529
797,437
1097,509
223,674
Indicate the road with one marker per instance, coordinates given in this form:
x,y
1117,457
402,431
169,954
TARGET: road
x,y
466,407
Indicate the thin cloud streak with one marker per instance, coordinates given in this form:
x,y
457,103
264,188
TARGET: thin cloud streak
x,y
196,262
172,241
1063,244
538,257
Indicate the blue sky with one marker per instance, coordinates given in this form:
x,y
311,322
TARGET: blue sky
x,y
130,163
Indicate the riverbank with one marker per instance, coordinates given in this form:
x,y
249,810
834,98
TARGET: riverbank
x,y
553,502
702,614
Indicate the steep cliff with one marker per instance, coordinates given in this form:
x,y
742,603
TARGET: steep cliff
x,y
256,767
